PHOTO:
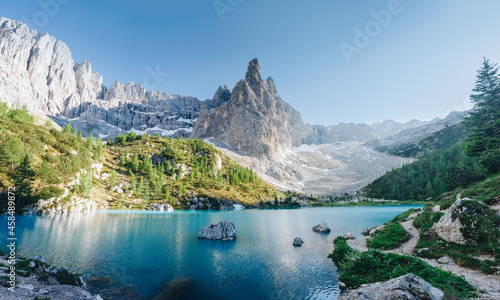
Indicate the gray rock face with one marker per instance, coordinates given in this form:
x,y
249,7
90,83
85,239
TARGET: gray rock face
x,y
224,231
410,287
322,227
254,121
38,71
449,229
297,242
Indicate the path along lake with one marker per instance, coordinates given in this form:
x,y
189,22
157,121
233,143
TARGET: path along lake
x,y
133,254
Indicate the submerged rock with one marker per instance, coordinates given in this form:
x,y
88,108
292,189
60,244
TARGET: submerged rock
x,y
297,242
224,231
322,227
408,286
175,289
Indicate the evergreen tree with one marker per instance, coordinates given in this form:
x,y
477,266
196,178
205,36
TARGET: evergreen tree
x,y
112,179
90,142
12,152
134,164
140,185
45,172
67,128
23,178
133,182
75,131
146,192
87,183
483,124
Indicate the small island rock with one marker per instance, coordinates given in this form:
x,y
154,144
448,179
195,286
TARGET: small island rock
x,y
297,242
224,231
322,227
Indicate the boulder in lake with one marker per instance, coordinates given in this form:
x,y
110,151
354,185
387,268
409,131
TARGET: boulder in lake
x,y
297,242
224,231
322,227
408,286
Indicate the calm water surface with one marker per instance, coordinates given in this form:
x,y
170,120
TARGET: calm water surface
x,y
129,255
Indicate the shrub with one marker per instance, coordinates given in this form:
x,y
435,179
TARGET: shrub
x,y
49,192
390,237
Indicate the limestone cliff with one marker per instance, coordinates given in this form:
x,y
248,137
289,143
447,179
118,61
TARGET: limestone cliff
x,y
255,120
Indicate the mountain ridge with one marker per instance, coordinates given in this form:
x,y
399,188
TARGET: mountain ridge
x,y
250,120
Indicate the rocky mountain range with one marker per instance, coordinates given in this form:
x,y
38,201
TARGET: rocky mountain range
x,y
250,122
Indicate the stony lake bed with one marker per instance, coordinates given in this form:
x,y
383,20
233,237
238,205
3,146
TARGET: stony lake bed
x,y
138,255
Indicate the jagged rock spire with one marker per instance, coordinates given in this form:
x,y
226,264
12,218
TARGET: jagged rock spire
x,y
253,73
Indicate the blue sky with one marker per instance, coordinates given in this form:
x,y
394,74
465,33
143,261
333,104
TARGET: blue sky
x,y
417,60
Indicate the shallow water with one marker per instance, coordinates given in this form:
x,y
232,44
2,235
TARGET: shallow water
x,y
125,254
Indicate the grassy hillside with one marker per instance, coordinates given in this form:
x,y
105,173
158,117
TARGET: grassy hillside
x,y
132,172
174,170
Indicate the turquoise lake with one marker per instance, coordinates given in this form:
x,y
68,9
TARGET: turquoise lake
x,y
132,255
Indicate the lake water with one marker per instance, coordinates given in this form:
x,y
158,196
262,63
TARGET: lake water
x,y
129,255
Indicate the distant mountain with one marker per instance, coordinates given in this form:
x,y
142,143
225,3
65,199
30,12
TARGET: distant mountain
x,y
414,142
255,120
250,122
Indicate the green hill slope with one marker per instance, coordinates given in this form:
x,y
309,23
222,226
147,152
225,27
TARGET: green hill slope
x,y
71,173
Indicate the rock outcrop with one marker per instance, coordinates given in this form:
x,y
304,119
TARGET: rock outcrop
x,y
224,231
322,227
448,227
30,284
255,120
410,287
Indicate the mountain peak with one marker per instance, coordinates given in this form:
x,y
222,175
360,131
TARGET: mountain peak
x,y
253,73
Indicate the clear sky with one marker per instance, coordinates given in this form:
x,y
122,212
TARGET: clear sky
x,y
333,60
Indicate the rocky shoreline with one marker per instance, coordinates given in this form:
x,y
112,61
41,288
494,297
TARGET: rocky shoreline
x,y
35,279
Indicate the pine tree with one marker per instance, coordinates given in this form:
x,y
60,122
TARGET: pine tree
x,y
112,179
146,192
23,178
12,152
483,124
87,183
90,142
67,128
134,164
45,172
133,181
140,185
